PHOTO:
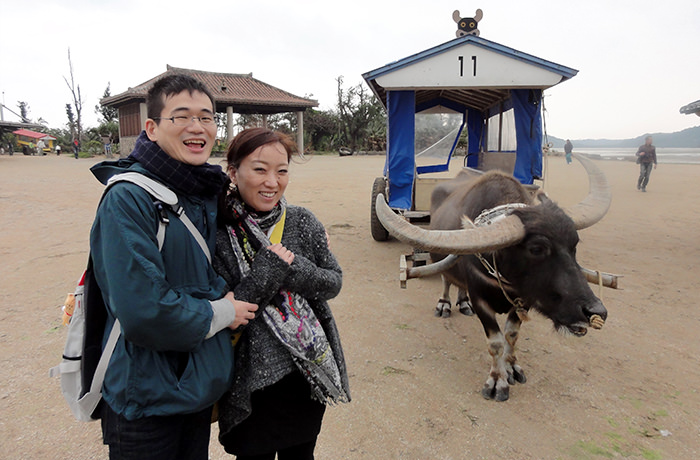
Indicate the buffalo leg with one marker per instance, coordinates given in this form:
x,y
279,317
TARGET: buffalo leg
x,y
496,386
512,331
444,307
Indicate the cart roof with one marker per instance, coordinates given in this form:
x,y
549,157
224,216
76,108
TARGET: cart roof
x,y
470,71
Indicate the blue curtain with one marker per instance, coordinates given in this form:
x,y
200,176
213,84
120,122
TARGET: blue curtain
x,y
528,132
475,130
400,159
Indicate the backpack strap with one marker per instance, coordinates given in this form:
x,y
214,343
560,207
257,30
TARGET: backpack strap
x,y
164,196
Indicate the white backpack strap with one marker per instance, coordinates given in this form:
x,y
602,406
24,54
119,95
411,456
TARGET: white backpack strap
x,y
101,369
167,196
195,233
155,188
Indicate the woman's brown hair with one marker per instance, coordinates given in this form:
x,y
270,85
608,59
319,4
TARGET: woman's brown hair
x,y
250,139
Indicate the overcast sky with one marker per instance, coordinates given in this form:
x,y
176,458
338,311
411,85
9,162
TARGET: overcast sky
x,y
638,61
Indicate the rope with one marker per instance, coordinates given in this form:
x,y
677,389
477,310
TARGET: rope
x,y
487,217
546,143
518,302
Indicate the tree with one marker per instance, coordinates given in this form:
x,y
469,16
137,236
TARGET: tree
x,y
23,111
77,99
321,129
361,115
109,114
71,120
109,122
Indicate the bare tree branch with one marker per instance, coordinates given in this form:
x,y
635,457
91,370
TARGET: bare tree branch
x,y
77,99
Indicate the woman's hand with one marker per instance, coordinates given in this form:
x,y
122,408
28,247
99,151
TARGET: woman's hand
x,y
283,253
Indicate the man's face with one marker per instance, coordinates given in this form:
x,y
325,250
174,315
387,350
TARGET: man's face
x,y
190,144
649,139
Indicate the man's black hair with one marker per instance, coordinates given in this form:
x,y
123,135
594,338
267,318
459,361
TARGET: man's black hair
x,y
171,85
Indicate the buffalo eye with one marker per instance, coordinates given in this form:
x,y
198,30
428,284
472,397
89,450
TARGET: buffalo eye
x,y
538,248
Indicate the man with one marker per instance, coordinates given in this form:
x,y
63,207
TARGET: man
x,y
174,358
568,148
646,156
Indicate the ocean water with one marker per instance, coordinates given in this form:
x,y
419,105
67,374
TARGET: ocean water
x,y
663,155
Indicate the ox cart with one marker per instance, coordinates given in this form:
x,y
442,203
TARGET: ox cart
x,y
507,247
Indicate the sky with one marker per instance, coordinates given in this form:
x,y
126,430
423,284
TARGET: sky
x,y
638,61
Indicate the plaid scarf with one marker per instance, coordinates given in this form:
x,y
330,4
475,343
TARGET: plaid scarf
x,y
204,180
288,315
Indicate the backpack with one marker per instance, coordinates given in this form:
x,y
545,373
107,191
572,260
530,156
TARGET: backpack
x,y
85,362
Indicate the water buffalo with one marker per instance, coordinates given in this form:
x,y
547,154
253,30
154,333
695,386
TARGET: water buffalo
x,y
512,250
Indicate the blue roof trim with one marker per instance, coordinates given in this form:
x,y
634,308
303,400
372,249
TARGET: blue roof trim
x,y
565,72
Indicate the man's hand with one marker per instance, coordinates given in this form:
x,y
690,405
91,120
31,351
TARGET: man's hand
x,y
245,311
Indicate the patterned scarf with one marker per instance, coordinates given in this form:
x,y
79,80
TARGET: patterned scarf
x,y
204,180
289,316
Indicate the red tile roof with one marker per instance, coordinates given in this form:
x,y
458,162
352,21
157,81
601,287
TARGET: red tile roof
x,y
32,134
242,91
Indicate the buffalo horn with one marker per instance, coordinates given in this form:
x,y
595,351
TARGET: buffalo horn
x,y
500,234
596,204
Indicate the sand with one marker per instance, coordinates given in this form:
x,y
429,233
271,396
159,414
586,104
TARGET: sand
x,y
629,390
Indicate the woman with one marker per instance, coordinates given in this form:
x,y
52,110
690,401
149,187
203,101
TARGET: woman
x,y
288,361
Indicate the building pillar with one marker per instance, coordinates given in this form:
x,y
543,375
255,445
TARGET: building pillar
x,y
229,123
143,115
264,117
300,132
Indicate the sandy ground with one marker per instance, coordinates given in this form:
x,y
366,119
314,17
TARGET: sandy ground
x,y
629,390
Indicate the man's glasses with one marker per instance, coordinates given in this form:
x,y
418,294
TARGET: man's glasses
x,y
182,120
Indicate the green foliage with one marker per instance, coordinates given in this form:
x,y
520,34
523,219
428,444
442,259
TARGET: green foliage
x,y
321,130
104,129
71,120
24,111
109,114
93,147
362,118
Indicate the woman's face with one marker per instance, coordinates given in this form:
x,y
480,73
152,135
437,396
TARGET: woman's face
x,y
262,176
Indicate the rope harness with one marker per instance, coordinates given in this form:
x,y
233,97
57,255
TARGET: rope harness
x,y
484,219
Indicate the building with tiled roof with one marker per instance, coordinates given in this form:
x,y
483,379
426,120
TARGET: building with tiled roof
x,y
234,93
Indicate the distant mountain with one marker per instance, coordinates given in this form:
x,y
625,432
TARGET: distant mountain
x,y
688,138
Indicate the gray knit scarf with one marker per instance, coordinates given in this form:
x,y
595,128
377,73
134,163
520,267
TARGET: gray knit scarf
x,y
288,315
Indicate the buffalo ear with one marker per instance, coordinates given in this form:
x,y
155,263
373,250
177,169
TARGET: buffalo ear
x,y
542,196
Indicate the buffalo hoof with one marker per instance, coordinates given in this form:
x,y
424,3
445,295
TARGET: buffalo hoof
x,y
465,307
496,392
444,308
516,374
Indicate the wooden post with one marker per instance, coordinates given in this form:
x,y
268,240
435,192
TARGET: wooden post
x,y
300,132
229,123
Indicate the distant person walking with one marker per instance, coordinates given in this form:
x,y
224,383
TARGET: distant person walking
x,y
58,149
40,147
568,147
646,156
76,147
